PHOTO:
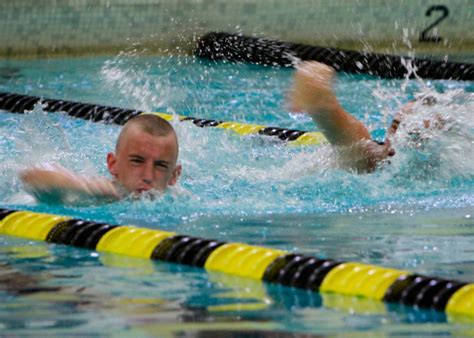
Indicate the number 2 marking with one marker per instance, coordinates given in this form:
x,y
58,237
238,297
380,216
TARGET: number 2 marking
x,y
424,36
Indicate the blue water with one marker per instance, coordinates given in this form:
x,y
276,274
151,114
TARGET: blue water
x,y
415,213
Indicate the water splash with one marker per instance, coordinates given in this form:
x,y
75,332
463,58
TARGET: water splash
x,y
132,81
37,138
437,140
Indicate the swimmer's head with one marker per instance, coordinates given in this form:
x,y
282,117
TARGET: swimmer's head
x,y
145,155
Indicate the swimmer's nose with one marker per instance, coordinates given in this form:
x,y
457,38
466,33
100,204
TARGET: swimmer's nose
x,y
147,174
145,185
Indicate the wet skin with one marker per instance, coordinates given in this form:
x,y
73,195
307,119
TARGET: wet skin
x,y
143,161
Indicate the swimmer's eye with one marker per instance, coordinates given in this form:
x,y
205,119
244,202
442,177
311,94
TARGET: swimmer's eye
x,y
136,161
161,165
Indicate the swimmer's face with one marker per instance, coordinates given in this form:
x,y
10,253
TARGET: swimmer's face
x,y
143,161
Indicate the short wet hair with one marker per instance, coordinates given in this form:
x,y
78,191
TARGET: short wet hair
x,y
149,123
426,99
429,100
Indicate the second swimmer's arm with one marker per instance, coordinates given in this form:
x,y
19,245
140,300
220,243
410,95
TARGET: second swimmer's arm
x,y
312,93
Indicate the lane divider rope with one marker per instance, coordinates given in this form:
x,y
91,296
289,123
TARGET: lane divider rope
x,y
18,103
270,265
234,47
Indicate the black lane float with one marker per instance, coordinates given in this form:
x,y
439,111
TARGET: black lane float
x,y
224,46
19,103
259,263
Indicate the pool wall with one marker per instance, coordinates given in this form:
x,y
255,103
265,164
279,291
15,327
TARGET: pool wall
x,y
38,28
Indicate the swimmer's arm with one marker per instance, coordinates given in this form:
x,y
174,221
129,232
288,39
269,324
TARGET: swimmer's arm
x,y
312,93
59,186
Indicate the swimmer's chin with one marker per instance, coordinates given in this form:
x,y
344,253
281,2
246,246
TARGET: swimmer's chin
x,y
146,194
151,194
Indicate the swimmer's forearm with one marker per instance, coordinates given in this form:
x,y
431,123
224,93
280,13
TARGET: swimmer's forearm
x,y
339,127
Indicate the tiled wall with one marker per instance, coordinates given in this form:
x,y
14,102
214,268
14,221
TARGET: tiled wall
x,y
45,27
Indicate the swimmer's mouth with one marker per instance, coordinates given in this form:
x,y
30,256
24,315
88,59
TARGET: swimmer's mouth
x,y
142,190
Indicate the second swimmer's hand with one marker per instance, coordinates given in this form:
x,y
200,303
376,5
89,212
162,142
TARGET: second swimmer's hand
x,y
312,90
364,156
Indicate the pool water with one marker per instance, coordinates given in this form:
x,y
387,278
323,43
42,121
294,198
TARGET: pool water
x,y
414,214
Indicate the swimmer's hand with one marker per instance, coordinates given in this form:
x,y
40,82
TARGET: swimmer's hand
x,y
364,156
56,185
312,89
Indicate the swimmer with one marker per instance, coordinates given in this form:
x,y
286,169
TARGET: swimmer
x,y
312,93
145,159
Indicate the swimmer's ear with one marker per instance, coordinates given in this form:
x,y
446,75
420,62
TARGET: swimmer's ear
x,y
111,164
176,174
